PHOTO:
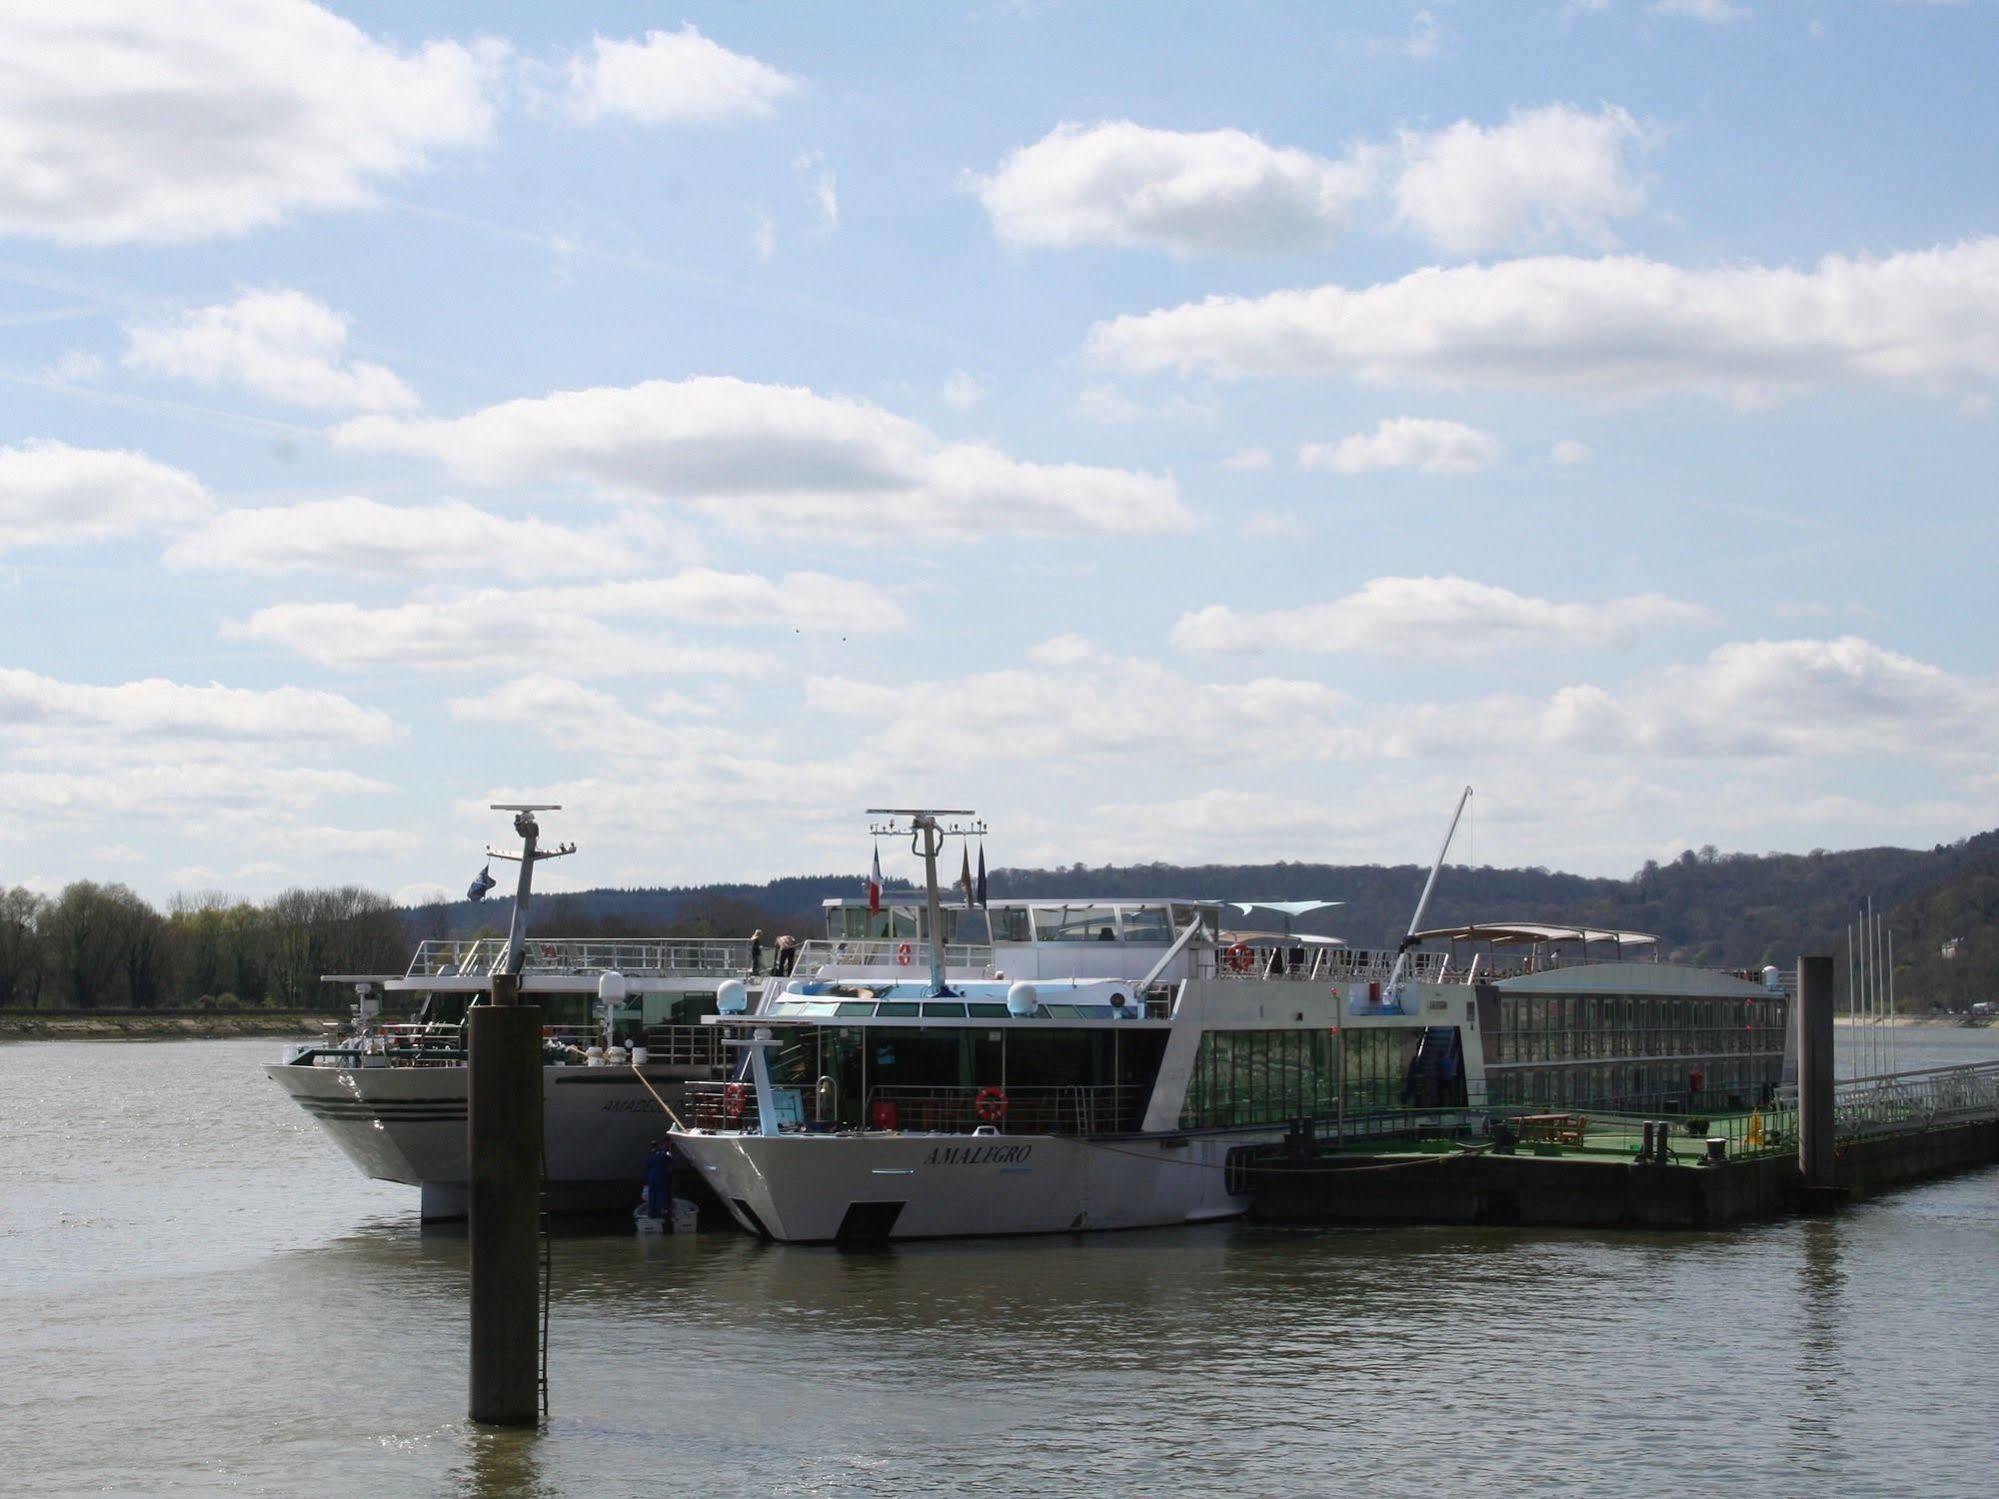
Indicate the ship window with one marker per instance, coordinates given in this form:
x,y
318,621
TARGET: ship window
x,y
1146,924
900,1007
1061,1012
1210,921
942,1011
988,1012
855,1010
1075,924
902,924
1010,924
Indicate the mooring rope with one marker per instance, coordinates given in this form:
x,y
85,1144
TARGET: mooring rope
x,y
664,1105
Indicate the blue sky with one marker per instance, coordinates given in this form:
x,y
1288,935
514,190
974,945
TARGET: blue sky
x,y
1183,432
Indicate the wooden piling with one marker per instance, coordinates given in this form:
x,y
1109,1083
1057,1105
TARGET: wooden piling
x,y
1813,1011
504,1147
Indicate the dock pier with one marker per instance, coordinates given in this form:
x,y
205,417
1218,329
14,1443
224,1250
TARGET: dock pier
x,y
1838,1141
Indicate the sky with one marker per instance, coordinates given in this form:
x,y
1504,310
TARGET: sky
x,y
1206,432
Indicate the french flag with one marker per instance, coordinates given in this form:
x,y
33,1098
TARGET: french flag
x,y
875,883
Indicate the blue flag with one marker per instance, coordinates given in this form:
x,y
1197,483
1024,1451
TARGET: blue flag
x,y
478,888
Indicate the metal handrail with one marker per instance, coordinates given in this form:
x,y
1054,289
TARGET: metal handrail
x,y
1904,1102
889,955
640,956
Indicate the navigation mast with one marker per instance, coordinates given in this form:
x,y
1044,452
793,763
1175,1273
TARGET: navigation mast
x,y
926,841
530,832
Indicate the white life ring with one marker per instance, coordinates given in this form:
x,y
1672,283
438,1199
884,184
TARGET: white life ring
x,y
902,954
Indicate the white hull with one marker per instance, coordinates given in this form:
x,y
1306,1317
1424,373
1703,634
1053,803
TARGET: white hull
x,y
407,1124
802,1188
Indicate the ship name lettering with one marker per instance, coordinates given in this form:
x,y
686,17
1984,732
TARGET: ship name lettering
x,y
978,1155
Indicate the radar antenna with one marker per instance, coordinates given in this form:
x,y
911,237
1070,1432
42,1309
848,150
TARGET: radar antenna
x,y
530,835
926,841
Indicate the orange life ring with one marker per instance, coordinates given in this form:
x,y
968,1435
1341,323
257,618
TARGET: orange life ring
x,y
732,1101
548,949
1239,956
902,953
990,1105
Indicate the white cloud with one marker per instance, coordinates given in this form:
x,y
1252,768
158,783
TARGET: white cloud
x,y
278,343
484,633
1714,11
566,629
1821,697
1247,461
1423,40
1188,192
1568,452
1272,524
763,235
75,367
226,799
963,390
155,710
815,181
53,494
673,78
779,456
1426,445
1619,324
542,697
358,535
184,122
1548,174
1107,406
1080,703
1446,617
1798,700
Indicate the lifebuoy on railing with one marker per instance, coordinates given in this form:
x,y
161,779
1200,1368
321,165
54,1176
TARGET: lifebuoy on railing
x,y
1239,956
990,1105
548,950
733,1098
902,954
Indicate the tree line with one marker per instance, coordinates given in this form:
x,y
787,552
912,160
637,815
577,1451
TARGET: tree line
x,y
102,946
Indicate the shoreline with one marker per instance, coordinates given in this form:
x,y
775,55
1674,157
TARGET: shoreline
x,y
216,1025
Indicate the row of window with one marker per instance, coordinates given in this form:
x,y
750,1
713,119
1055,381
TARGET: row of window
x,y
1273,1077
1723,1082
1557,1027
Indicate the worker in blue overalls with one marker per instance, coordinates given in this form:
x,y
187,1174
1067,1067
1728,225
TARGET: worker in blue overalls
x,y
659,1177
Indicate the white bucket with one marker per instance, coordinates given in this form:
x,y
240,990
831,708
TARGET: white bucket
x,y
686,1215
638,1056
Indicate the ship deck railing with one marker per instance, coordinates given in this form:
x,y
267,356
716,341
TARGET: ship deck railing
x,y
1052,1110
904,956
639,957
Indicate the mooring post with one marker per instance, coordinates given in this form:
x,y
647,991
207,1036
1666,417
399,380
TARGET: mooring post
x,y
1814,1031
504,1144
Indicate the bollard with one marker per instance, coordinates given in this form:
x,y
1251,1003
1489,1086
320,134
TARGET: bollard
x,y
503,1127
1814,1032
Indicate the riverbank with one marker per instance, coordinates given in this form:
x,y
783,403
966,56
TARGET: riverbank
x,y
1916,1022
160,1025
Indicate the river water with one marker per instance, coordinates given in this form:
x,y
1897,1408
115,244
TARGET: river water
x,y
199,1295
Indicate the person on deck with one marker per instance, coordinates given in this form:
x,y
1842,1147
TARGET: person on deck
x,y
756,951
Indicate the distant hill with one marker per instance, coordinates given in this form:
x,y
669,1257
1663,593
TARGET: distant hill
x,y
1739,910
1958,914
